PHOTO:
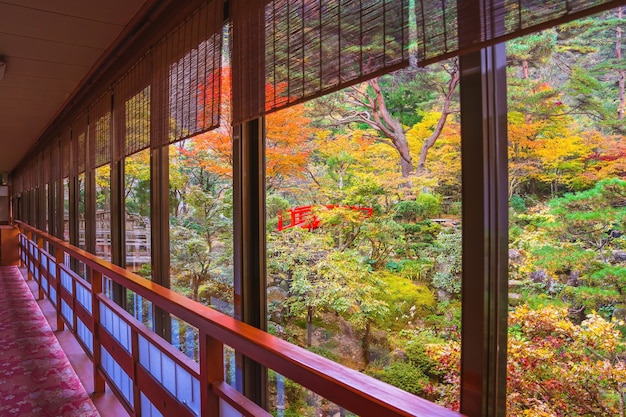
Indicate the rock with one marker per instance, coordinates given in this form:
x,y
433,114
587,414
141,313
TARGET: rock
x,y
539,276
444,295
514,255
399,355
515,298
514,283
276,294
619,312
619,256
573,279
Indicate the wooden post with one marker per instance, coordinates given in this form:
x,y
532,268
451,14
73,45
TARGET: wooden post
x,y
21,247
96,289
38,265
59,261
134,340
485,232
29,236
211,372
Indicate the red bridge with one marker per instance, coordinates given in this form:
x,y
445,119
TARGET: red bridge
x,y
303,216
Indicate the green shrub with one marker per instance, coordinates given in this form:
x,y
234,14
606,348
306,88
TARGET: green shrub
x,y
431,204
405,376
407,300
517,203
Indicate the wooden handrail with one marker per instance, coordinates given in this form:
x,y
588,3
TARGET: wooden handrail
x,y
343,386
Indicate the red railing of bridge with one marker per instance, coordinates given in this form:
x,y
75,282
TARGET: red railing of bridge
x,y
305,217
117,344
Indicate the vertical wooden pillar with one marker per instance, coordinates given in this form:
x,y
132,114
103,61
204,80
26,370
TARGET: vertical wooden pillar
x,y
21,253
40,293
249,244
60,215
52,194
211,372
118,237
59,255
29,258
90,211
96,290
160,230
485,232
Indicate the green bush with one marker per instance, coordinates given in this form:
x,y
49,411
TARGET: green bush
x,y
405,376
407,300
517,203
431,204
448,275
425,205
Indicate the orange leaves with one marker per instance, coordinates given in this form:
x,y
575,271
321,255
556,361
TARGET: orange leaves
x,y
288,145
287,135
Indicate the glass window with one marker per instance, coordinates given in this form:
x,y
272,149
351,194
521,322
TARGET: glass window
x,y
103,212
137,212
567,269
201,221
364,237
66,209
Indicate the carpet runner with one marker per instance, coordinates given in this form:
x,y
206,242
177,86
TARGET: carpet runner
x,y
36,379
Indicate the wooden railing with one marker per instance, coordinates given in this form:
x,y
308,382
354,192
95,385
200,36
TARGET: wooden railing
x,y
151,377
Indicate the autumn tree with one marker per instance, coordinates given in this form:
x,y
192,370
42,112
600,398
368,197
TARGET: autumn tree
x,y
372,105
287,134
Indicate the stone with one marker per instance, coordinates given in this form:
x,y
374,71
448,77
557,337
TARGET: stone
x,y
619,256
515,298
514,255
539,276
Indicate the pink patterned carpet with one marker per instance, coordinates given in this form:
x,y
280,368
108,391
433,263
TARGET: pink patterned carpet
x,y
36,378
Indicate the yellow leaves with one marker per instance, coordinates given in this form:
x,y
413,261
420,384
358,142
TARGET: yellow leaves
x,y
419,132
601,334
137,166
557,367
550,320
103,177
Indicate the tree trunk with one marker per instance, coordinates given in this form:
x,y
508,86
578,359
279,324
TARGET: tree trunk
x,y
195,284
445,111
379,118
622,98
393,129
528,117
309,326
366,343
406,161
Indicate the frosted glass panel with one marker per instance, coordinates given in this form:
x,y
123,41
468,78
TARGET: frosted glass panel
x,y
118,377
83,296
66,281
148,409
226,410
67,312
85,335
119,329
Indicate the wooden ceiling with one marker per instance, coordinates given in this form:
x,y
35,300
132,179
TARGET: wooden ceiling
x,y
50,48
